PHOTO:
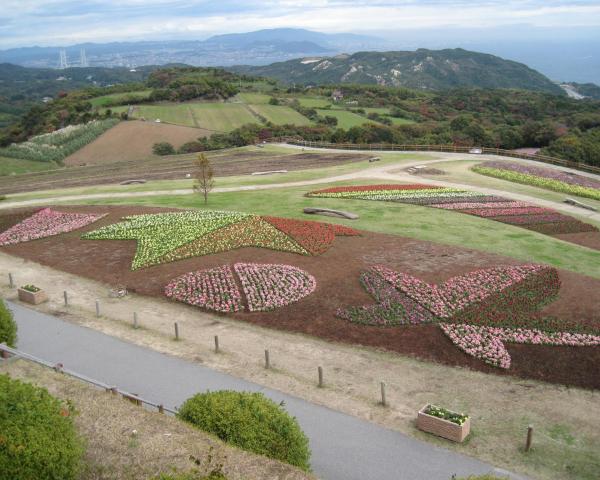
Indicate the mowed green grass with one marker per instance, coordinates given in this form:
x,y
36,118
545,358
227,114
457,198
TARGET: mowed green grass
x,y
422,223
345,118
281,115
253,98
314,102
176,113
16,166
222,117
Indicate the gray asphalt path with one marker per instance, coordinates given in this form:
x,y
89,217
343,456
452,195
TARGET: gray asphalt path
x,y
344,447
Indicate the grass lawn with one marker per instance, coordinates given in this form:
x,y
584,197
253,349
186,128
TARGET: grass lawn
x,y
422,223
176,113
314,102
222,117
254,98
345,118
16,166
280,115
106,100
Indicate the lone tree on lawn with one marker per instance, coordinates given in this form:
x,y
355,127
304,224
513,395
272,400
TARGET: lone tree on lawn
x,y
204,176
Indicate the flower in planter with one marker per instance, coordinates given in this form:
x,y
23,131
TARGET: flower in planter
x,y
31,288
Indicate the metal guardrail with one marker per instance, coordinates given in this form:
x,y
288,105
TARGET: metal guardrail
x,y
132,397
392,147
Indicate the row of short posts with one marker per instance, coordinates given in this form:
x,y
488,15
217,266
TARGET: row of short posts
x,y
320,383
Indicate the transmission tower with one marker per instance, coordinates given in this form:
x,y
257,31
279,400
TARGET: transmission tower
x,y
83,59
63,59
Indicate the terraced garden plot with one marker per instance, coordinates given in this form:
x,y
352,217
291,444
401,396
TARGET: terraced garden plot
x,y
221,117
280,115
175,113
345,118
337,273
314,102
254,98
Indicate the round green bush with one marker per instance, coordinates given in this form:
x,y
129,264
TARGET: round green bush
x,y
250,421
8,327
37,436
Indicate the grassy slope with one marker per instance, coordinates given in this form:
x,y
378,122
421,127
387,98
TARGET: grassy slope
x,y
280,114
223,117
176,113
422,223
16,166
345,118
107,99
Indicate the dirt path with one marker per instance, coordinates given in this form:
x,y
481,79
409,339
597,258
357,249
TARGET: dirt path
x,y
352,374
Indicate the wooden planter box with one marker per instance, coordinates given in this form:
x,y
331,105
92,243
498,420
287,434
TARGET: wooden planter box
x,y
443,428
32,297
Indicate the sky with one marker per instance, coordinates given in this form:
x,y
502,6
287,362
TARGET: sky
x,y
67,22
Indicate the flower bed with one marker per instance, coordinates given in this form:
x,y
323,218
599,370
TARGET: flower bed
x,y
271,286
494,296
471,203
265,286
549,179
165,237
45,223
487,343
558,228
214,289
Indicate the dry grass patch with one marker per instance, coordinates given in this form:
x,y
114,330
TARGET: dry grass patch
x,y
161,442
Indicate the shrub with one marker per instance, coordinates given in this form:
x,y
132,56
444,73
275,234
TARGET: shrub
x,y
163,148
8,327
37,435
250,421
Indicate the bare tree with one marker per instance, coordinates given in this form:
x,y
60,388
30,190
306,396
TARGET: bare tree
x,y
204,176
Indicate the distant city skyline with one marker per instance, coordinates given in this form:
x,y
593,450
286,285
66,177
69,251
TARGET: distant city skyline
x,y
67,22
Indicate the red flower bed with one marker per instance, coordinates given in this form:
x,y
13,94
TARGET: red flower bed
x,y
369,188
532,219
561,227
314,237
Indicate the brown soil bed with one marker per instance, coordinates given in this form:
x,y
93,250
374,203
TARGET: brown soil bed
x,y
586,239
132,140
225,163
337,273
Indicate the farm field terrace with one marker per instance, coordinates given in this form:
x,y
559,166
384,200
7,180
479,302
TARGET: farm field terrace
x,y
337,271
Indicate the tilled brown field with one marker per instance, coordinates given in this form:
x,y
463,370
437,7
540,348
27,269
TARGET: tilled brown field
x,y
132,141
337,272
172,167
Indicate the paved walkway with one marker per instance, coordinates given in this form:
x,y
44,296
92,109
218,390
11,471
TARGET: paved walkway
x,y
344,447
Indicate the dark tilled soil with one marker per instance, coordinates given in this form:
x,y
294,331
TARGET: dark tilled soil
x,y
586,239
337,272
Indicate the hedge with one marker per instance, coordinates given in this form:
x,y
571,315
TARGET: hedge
x,y
250,421
8,327
37,435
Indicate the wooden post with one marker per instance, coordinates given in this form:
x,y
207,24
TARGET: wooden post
x,y
529,438
135,320
320,371
267,360
216,344
383,399
161,408
176,331
66,298
97,308
11,284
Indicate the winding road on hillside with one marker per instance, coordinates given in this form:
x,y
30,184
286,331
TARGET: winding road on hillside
x,y
343,447
386,173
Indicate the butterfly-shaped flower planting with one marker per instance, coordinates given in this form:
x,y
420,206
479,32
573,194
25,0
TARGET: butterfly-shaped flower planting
x,y
46,223
479,311
264,286
166,237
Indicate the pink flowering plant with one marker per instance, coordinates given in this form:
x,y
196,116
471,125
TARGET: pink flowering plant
x,y
488,343
271,286
265,287
46,223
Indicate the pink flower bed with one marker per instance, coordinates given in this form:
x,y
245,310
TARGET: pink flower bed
x,y
487,343
458,293
214,289
271,286
266,287
496,212
45,223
